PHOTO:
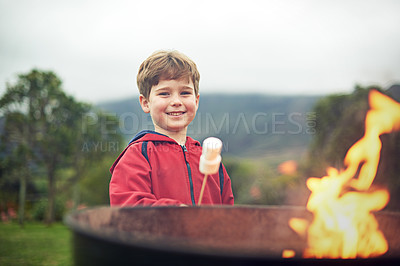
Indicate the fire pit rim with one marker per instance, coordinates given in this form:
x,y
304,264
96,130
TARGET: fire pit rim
x,y
87,231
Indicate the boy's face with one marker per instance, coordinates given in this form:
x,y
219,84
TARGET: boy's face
x,y
172,105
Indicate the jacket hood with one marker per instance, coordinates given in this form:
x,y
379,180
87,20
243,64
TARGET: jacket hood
x,y
150,135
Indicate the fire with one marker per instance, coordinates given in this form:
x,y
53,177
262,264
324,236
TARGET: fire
x,y
342,204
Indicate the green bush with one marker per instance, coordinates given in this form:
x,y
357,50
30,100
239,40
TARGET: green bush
x,y
40,209
255,182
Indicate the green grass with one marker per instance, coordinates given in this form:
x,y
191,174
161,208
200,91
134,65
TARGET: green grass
x,y
35,244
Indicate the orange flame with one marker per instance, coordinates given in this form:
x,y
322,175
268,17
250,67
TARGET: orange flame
x,y
343,225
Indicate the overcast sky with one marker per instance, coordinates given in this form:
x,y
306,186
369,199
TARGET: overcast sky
x,y
279,47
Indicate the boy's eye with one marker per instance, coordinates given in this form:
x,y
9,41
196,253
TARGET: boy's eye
x,y
186,92
163,93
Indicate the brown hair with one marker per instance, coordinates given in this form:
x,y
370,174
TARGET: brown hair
x,y
166,65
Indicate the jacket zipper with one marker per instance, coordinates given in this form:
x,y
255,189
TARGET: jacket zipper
x,y
190,175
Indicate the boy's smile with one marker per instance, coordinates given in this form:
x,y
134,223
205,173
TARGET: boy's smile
x,y
172,105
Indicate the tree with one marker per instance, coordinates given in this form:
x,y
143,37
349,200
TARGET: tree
x,y
16,166
339,124
95,138
45,128
32,110
56,143
17,142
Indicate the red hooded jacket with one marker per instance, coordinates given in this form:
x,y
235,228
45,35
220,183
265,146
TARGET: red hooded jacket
x,y
155,170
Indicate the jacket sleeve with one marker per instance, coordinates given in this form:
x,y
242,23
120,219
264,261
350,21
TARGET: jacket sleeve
x,y
227,194
130,183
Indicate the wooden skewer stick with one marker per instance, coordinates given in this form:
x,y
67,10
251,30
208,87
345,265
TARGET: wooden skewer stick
x,y
202,189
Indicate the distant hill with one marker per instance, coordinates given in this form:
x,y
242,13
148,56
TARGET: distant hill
x,y
249,125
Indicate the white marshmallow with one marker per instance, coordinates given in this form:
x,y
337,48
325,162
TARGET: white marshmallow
x,y
210,158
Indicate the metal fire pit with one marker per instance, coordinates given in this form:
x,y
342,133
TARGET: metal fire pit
x,y
240,235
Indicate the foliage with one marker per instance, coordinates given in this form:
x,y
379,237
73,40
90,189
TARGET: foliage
x,y
95,144
35,244
16,165
254,182
339,124
40,208
242,176
46,131
94,187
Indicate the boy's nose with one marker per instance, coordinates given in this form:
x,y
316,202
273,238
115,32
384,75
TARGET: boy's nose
x,y
176,101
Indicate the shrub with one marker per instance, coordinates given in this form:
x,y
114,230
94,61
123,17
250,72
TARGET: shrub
x,y
40,209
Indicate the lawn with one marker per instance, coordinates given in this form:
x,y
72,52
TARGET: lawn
x,y
35,244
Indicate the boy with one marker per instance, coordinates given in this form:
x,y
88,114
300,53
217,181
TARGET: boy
x,y
161,167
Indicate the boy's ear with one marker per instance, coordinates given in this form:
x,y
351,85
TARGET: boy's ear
x,y
144,103
197,101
